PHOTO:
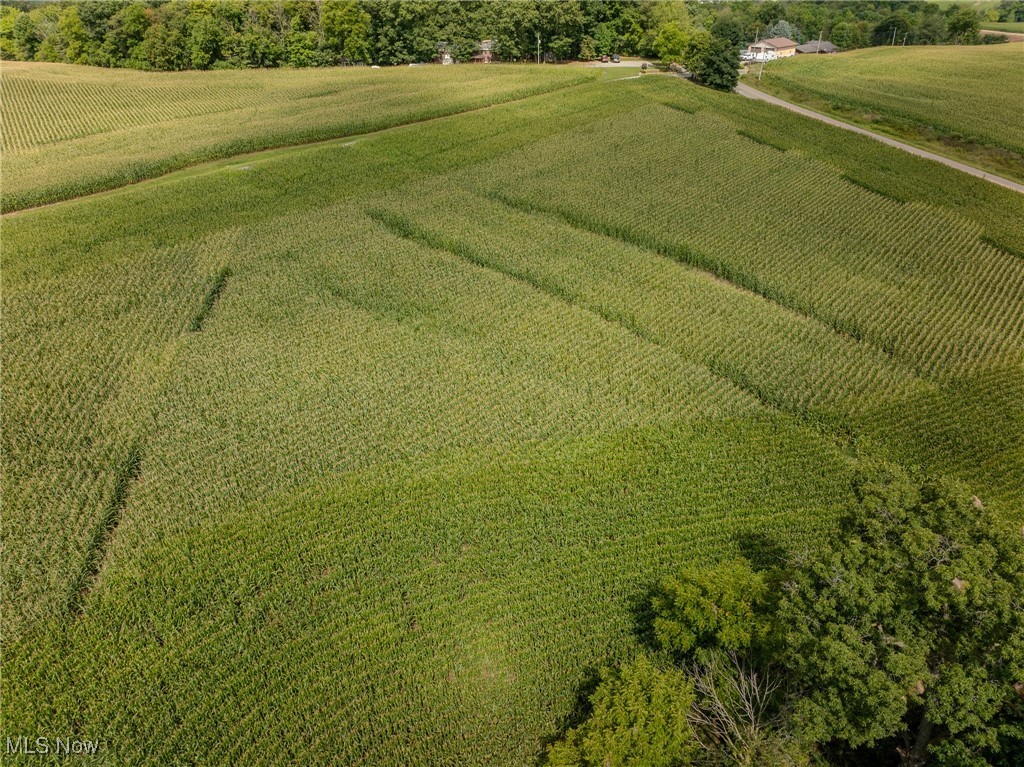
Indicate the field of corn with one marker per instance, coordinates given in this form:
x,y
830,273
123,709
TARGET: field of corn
x,y
367,452
70,130
964,99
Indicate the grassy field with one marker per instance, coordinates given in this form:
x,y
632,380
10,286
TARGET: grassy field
x,y
1004,26
962,101
69,130
366,452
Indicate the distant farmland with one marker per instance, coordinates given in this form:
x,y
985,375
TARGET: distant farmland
x,y
963,99
69,130
380,442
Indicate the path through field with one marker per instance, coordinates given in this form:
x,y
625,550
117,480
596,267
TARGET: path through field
x,y
753,93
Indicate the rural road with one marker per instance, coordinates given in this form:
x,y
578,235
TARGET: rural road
x,y
753,93
1014,37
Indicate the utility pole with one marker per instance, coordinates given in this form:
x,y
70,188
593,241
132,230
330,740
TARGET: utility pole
x,y
893,36
538,47
905,38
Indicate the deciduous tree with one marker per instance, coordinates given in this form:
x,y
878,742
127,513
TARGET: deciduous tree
x,y
911,623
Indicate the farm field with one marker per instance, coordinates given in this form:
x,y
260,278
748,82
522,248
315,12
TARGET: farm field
x,y
366,452
70,130
1004,26
962,101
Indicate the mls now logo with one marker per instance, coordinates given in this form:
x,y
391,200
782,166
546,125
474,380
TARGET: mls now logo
x,y
58,746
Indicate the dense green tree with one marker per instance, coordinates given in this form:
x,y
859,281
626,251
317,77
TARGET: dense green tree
x,y
588,48
893,28
671,43
255,46
346,30
901,637
728,27
783,28
9,48
165,44
848,35
606,38
564,24
73,36
698,47
95,16
1011,10
25,37
174,34
302,49
639,717
724,607
911,624
125,32
206,36
964,26
932,30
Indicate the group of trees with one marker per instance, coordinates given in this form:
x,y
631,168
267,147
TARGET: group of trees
x,y
182,34
900,642
199,34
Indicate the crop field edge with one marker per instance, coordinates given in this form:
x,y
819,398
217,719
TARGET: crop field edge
x,y
194,161
989,158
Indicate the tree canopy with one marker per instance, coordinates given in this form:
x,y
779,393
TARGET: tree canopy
x,y
200,34
900,638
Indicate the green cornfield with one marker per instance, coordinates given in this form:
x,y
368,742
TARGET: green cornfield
x,y
962,100
367,451
70,130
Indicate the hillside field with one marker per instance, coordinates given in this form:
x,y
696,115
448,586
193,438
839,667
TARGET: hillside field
x,y
1004,26
368,451
69,130
962,101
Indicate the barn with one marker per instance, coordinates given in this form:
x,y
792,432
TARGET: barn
x,y
817,46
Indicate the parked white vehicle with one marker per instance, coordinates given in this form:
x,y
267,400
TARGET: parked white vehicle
x,y
765,56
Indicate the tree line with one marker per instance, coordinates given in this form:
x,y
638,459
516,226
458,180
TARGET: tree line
x,y
205,34
898,642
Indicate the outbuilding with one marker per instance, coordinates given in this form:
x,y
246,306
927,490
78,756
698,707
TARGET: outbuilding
x,y
484,52
773,47
817,46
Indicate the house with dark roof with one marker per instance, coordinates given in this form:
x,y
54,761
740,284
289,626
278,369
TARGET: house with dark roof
x,y
484,52
773,47
817,46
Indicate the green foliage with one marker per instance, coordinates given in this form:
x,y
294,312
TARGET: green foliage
x,y
847,36
724,607
911,618
727,27
671,43
907,627
206,36
893,29
964,26
718,66
346,27
638,718
123,39
257,33
165,45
